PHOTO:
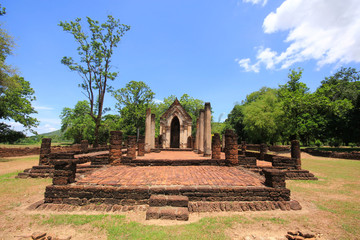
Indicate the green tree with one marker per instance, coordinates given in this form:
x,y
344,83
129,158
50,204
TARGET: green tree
x,y
76,123
16,94
95,48
263,117
292,96
132,102
341,92
235,121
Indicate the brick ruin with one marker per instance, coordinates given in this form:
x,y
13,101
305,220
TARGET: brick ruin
x,y
98,179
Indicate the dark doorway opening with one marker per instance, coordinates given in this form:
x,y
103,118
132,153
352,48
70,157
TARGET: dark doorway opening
x,y
175,133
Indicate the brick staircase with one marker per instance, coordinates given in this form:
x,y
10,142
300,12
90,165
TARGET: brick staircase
x,y
171,207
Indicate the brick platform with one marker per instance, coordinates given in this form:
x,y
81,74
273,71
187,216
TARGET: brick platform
x,y
169,175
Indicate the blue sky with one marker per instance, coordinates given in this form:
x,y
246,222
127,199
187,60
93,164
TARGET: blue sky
x,y
217,51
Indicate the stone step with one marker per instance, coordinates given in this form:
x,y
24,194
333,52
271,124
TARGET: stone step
x,y
22,175
168,213
168,200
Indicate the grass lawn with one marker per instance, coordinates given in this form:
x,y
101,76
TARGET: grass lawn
x,y
331,206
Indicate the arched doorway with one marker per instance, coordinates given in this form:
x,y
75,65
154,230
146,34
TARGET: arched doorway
x,y
175,133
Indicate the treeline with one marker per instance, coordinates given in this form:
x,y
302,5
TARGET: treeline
x,y
132,102
328,116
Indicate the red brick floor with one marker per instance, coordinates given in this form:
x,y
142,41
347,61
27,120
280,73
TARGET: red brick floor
x,y
174,155
171,175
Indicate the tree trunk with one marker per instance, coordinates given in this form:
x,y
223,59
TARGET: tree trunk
x,y
96,142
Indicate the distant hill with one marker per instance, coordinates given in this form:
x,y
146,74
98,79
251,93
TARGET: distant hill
x,y
56,133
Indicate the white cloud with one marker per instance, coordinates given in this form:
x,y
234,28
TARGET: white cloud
x,y
256,1
245,63
327,31
157,101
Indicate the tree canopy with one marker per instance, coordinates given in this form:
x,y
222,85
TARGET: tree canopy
x,y
95,50
329,115
132,102
16,94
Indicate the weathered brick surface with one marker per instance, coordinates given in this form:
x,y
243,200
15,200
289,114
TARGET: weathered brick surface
x,y
135,195
231,147
263,151
131,148
274,178
216,146
141,145
247,161
45,150
344,155
115,147
84,146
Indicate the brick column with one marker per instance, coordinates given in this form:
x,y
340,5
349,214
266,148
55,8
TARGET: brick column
x,y
274,178
115,154
45,150
152,143
141,146
131,149
263,151
216,146
296,153
223,145
201,131
148,135
64,169
207,130
243,148
196,145
84,146
231,150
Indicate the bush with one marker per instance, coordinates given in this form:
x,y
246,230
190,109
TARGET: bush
x,y
318,143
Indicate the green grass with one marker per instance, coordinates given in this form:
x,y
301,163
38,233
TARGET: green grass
x,y
338,149
13,191
117,227
337,192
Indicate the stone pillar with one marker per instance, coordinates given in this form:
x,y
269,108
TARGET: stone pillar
x,y
231,150
207,130
201,131
296,153
45,150
64,169
216,146
131,147
152,143
263,151
196,146
189,142
274,178
243,148
84,146
141,146
115,153
223,145
148,135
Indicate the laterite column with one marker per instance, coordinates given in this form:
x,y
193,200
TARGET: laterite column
x,y
231,150
115,153
296,153
263,151
45,150
141,146
216,147
131,150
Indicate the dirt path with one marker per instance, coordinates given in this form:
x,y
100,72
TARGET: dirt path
x,y
13,164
